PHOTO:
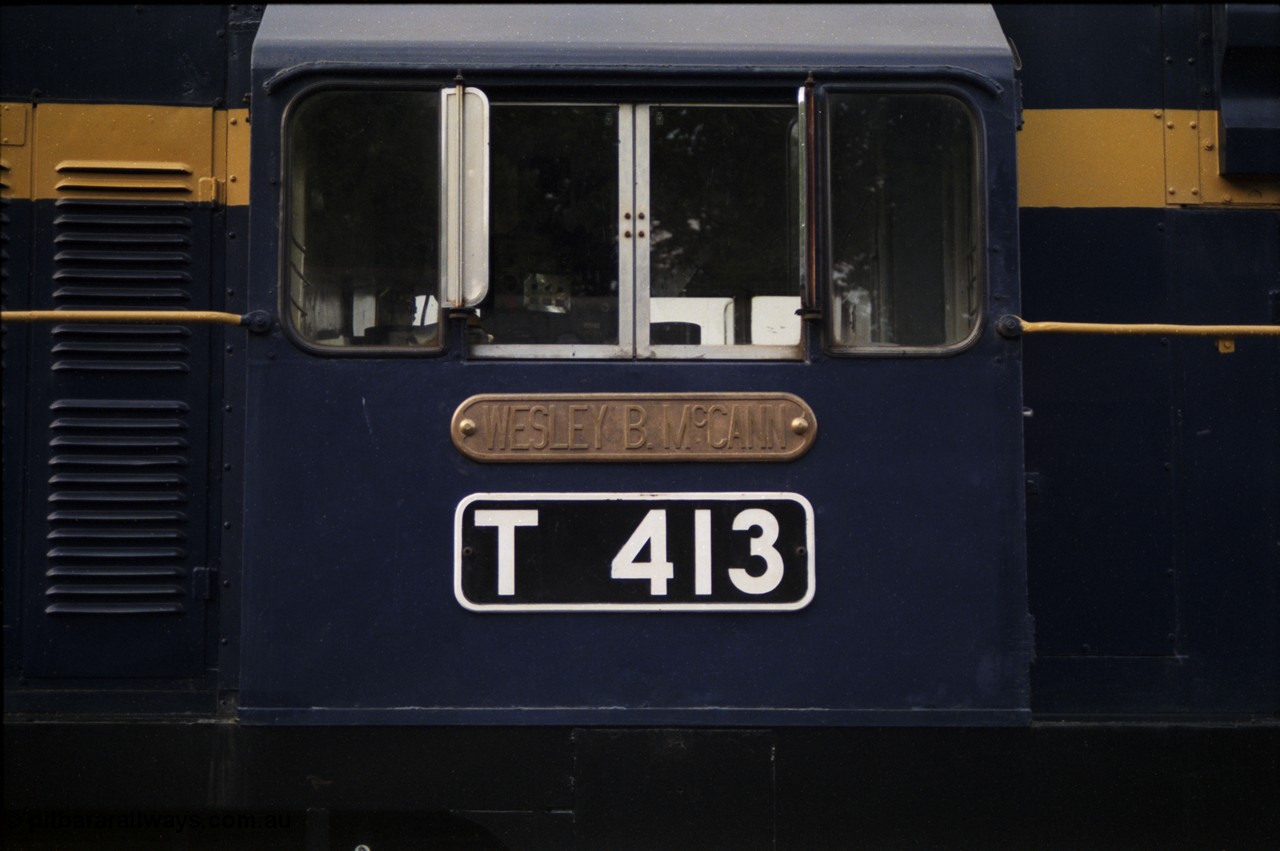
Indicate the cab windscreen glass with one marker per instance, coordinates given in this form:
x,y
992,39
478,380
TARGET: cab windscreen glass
x,y
363,218
903,236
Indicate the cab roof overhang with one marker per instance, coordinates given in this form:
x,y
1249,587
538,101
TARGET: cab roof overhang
x,y
298,40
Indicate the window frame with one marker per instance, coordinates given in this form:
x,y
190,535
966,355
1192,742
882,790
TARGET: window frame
x,y
624,348
634,294
826,226
751,93
428,86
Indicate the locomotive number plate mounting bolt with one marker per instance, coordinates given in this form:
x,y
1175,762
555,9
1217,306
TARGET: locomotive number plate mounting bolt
x,y
467,427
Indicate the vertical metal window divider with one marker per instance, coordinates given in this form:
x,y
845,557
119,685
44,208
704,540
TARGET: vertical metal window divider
x,y
809,190
810,311
638,179
459,315
465,169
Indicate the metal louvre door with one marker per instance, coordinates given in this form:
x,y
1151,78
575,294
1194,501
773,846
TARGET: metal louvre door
x,y
509,520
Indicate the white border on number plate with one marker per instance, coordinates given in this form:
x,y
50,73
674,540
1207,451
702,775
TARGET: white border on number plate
x,y
630,607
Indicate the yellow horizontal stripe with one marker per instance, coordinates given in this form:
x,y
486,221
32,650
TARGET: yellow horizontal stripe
x,y
1090,158
1129,158
109,151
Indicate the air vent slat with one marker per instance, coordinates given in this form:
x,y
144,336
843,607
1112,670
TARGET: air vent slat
x,y
115,609
117,552
76,255
119,366
132,534
122,167
169,479
114,572
113,423
117,516
118,461
145,274
162,405
130,497
88,330
158,239
122,348
113,590
121,442
121,184
118,293
112,220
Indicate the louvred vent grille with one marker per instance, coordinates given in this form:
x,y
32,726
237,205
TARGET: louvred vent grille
x,y
121,255
165,179
117,507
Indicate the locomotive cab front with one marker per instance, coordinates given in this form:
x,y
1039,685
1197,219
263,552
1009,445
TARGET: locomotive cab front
x,y
633,366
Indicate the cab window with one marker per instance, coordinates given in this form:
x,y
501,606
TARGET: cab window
x,y
629,229
903,222
363,219
642,230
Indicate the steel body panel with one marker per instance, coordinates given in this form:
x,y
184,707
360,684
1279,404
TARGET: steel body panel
x,y
115,53
1084,56
1153,498
359,458
662,39
1101,532
1155,563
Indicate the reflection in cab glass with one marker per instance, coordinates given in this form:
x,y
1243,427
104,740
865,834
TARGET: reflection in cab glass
x,y
363,218
903,221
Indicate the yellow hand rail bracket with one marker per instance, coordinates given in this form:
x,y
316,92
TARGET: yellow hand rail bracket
x,y
258,321
1011,326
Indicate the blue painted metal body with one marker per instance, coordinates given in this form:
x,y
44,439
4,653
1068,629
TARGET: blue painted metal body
x,y
351,480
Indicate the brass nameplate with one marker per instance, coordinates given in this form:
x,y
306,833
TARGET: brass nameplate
x,y
634,427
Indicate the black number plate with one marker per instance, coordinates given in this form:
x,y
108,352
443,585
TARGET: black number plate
x,y
634,552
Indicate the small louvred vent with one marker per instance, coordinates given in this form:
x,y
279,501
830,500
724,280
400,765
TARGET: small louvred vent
x,y
121,255
118,493
120,348
164,178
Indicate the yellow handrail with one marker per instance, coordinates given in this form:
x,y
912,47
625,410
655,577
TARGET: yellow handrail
x,y
1124,328
180,316
1014,326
